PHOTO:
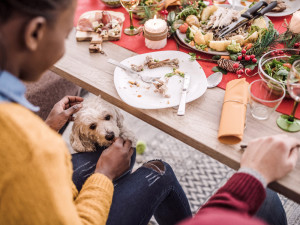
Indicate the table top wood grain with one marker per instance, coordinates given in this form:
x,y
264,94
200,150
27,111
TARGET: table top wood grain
x,y
198,128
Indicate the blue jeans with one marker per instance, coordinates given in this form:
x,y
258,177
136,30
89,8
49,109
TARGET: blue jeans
x,y
151,190
272,211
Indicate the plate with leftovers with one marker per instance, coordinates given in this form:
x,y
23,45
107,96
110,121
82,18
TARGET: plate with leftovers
x,y
164,92
283,8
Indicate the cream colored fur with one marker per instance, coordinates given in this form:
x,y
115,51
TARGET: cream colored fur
x,y
92,115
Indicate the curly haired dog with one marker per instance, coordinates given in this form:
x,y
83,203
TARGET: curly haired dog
x,y
97,124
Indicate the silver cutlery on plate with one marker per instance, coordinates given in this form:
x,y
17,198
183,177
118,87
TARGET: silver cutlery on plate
x,y
186,84
146,79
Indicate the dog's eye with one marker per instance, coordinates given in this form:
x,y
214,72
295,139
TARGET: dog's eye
x,y
107,117
93,126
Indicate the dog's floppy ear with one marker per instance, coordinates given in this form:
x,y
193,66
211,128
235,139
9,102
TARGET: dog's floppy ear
x,y
120,118
79,141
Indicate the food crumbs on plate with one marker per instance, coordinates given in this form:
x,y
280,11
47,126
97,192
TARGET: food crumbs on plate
x,y
139,96
132,83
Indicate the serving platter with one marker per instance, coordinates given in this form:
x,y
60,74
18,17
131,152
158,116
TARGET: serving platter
x,y
292,6
143,96
182,36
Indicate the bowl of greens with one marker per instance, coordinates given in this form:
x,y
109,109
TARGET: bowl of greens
x,y
274,66
147,9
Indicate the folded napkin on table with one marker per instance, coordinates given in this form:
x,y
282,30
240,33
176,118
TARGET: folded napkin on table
x,y
233,116
172,3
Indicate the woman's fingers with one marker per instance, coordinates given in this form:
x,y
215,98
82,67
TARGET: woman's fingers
x,y
75,108
69,101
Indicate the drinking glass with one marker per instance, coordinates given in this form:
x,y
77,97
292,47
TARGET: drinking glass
x,y
130,5
285,122
265,97
217,2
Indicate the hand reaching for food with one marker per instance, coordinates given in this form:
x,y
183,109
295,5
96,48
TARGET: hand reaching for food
x,y
273,157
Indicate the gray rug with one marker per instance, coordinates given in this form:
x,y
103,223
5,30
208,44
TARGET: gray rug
x,y
199,175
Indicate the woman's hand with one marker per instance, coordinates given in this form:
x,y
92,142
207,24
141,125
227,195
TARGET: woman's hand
x,y
62,112
115,160
273,157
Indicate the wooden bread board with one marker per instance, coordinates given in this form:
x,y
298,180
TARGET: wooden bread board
x,y
95,38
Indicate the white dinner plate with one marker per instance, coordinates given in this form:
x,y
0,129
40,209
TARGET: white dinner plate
x,y
292,6
182,36
144,97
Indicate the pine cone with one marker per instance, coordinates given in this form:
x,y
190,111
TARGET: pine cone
x,y
227,64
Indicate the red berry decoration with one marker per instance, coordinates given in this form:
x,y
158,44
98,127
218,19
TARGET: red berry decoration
x,y
281,52
240,72
297,45
248,70
244,51
252,56
254,60
164,12
247,58
236,65
272,53
240,57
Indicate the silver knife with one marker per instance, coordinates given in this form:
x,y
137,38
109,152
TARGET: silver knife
x,y
186,83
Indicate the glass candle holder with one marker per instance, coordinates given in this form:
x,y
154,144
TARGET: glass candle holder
x,y
155,33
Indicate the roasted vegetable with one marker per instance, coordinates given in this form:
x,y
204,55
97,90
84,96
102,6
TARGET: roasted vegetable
x,y
208,37
190,33
207,12
199,38
192,20
234,47
219,46
183,28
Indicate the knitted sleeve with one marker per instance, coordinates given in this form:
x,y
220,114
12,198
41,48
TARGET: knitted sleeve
x,y
35,182
242,193
234,203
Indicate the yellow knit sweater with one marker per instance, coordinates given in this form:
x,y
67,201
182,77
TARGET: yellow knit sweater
x,y
36,185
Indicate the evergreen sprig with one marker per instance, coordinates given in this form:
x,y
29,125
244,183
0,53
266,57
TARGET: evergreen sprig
x,y
288,39
265,41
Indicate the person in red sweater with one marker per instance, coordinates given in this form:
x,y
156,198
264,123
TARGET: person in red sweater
x,y
264,161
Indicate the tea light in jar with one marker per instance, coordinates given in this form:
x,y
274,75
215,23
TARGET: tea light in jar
x,y
155,32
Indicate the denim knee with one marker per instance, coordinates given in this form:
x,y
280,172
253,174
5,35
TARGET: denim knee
x,y
161,167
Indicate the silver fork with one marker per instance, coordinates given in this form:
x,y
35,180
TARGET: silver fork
x,y
146,79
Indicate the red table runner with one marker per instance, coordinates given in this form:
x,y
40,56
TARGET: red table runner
x,y
137,44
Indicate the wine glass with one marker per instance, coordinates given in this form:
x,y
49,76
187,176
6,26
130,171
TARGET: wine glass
x,y
130,5
285,122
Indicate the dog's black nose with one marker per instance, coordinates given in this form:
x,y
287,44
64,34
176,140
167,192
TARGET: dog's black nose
x,y
109,136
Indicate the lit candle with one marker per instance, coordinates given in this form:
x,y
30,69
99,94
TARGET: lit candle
x,y
155,32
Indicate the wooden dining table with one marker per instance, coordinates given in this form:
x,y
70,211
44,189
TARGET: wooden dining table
x,y
198,128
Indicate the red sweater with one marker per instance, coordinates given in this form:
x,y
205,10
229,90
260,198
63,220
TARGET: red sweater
x,y
235,203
